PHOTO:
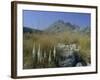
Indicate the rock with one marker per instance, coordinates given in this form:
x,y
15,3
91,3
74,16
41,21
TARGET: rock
x,y
79,64
68,58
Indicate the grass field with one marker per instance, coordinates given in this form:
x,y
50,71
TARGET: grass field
x,y
47,41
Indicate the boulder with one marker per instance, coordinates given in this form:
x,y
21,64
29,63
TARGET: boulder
x,y
68,57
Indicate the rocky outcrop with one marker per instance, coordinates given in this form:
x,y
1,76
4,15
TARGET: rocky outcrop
x,y
67,56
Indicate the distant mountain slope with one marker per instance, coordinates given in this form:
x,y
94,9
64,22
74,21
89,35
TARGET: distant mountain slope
x,y
61,26
85,30
26,29
31,30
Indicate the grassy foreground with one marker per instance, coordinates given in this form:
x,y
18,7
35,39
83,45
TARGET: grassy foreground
x,y
47,41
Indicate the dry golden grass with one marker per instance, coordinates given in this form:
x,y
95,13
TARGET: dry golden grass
x,y
48,41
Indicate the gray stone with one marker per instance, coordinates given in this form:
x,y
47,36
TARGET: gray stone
x,y
66,57
79,64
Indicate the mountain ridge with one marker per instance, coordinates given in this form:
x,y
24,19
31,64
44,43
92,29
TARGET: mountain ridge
x,y
61,26
57,27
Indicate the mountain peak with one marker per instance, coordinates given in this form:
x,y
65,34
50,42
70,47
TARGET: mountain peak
x,y
60,21
60,26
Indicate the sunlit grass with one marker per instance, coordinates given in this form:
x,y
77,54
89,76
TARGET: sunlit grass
x,y
48,41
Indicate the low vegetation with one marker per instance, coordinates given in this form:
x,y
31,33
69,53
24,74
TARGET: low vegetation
x,y
47,41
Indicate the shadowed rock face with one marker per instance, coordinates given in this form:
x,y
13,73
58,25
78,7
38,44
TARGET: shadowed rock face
x,y
67,57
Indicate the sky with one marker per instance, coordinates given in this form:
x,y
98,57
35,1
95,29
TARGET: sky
x,y
43,19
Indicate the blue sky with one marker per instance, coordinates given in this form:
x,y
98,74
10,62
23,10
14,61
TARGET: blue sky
x,y
43,19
